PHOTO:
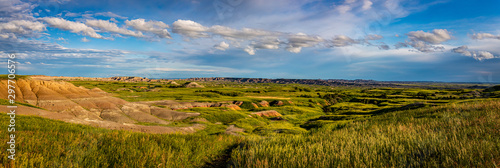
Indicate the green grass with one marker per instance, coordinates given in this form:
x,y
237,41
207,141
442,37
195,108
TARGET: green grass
x,y
6,76
464,135
217,114
322,127
49,143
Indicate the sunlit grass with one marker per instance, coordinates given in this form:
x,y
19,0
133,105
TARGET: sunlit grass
x,y
464,135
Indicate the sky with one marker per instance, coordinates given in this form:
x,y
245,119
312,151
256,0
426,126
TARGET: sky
x,y
385,40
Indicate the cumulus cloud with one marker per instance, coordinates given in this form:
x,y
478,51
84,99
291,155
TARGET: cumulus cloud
x,y
34,49
15,10
250,50
298,41
437,36
263,39
222,46
189,28
426,41
257,39
478,55
367,4
481,36
342,41
422,46
20,28
75,27
267,43
112,27
156,27
84,39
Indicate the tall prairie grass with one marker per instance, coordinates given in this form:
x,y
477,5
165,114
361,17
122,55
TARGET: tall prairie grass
x,y
48,143
456,135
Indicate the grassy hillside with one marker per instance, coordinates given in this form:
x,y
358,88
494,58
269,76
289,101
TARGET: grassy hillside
x,y
48,143
456,135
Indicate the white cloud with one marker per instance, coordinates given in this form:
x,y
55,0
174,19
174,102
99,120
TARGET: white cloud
x,y
156,27
299,40
344,9
267,43
250,50
422,46
367,4
189,28
257,39
112,27
426,41
436,37
84,39
481,36
342,41
15,10
478,55
75,27
222,46
16,28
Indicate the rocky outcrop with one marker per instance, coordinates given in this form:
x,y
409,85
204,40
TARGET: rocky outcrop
x,y
116,78
94,104
173,83
268,113
130,79
231,106
264,103
254,105
192,85
277,103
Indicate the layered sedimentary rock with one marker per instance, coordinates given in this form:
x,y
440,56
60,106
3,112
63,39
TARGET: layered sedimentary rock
x,y
82,104
267,113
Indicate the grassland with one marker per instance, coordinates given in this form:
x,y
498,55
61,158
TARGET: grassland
x,y
321,126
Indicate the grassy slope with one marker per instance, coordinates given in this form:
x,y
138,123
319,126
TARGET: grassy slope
x,y
449,136
456,135
48,143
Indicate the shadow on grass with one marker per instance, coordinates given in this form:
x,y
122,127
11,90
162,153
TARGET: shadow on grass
x,y
388,110
222,160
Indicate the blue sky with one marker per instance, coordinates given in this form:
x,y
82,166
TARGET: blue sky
x,y
387,40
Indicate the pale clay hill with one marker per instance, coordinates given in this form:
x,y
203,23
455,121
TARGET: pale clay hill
x,y
64,101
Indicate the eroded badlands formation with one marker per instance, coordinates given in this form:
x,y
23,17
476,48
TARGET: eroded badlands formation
x,y
63,101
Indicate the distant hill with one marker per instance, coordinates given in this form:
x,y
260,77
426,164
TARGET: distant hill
x,y
348,83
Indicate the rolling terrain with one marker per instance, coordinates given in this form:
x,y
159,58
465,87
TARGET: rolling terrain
x,y
109,122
